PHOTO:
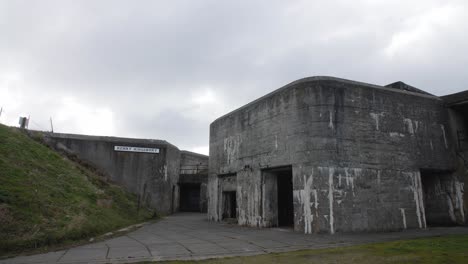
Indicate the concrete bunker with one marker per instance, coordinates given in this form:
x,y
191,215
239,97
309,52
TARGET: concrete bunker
x,y
354,153
162,176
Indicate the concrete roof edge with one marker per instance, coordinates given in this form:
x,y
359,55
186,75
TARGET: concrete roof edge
x,y
193,153
323,78
109,138
456,98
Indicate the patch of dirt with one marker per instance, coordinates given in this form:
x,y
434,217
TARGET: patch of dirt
x,y
5,215
105,203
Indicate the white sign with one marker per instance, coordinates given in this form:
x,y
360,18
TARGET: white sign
x,y
136,149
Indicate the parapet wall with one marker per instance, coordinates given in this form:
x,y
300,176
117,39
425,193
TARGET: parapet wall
x,y
193,163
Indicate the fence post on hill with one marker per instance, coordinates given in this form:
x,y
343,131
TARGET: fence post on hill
x,y
51,125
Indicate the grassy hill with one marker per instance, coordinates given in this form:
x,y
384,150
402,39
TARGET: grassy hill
x,y
46,199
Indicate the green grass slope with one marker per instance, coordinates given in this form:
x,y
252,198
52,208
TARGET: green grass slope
x,y
46,199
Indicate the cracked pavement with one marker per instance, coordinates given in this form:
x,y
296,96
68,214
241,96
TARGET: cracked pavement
x,y
186,236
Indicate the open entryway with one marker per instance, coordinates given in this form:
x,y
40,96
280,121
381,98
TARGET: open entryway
x,y
439,195
228,197
285,199
190,197
278,196
229,205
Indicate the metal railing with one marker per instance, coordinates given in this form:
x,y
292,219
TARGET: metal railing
x,y
194,169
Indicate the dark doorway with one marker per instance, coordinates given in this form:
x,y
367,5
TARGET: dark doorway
x,y
285,198
277,190
189,197
438,197
229,205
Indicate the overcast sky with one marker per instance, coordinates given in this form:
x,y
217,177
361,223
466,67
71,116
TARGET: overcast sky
x,y
166,70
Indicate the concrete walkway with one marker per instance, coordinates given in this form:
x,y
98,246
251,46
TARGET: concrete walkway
x,y
191,236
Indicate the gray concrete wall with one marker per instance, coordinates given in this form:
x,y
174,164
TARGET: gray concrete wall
x,y
153,177
356,151
193,163
459,123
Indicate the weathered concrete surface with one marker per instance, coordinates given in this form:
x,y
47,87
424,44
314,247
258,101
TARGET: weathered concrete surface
x,y
151,176
156,178
191,236
356,152
458,113
193,163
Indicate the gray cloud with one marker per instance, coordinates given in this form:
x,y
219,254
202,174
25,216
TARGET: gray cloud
x,y
166,70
